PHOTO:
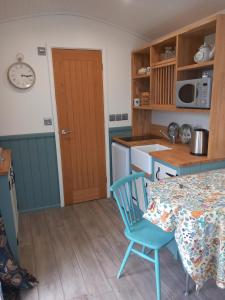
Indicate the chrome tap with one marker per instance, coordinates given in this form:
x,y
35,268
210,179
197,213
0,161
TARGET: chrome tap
x,y
172,139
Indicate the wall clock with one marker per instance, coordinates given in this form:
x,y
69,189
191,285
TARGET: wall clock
x,y
20,74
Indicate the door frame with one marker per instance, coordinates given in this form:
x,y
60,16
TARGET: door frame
x,y
55,115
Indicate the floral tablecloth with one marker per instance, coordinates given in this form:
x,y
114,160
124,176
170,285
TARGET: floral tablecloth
x,y
193,206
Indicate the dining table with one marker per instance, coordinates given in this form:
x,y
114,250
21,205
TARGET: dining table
x,y
193,206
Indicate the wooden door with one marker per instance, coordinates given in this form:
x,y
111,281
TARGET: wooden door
x,y
80,109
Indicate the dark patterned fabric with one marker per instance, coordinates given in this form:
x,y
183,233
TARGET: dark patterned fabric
x,y
12,276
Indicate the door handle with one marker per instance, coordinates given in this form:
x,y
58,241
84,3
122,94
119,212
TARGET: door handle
x,y
66,131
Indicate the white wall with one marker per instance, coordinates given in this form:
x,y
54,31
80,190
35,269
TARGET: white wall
x,y
22,112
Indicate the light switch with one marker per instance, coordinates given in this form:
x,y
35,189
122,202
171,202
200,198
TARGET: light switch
x,y
41,51
47,121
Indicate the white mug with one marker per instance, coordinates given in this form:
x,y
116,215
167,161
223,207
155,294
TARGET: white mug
x,y
137,101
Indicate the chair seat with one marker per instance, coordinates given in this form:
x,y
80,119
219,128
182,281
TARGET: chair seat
x,y
149,235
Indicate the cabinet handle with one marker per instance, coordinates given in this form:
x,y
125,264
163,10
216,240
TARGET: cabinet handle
x,y
171,175
157,174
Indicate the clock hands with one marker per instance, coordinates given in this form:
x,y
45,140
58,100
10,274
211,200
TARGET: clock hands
x,y
23,75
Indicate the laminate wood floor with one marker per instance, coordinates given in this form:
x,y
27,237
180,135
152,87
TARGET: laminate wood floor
x,y
75,253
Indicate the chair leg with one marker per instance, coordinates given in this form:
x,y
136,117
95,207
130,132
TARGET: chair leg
x,y
157,275
187,291
125,259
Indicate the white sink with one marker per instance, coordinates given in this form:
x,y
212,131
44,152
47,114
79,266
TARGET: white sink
x,y
140,156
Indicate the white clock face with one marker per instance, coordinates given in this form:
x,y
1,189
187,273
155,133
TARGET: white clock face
x,y
21,75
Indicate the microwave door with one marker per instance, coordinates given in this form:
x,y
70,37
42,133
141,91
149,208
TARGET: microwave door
x,y
187,94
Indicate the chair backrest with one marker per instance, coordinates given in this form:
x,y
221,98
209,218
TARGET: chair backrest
x,y
126,194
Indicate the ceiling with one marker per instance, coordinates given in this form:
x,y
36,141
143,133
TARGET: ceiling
x,y
145,18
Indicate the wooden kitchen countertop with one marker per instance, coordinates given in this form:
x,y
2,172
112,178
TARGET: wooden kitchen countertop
x,y
136,143
178,156
6,163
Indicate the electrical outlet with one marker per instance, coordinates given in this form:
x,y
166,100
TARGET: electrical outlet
x,y
118,117
112,117
125,116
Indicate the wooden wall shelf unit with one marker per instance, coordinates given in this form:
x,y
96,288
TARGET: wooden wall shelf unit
x,y
160,107
203,65
158,86
141,76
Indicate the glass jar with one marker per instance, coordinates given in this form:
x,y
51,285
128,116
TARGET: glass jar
x,y
169,52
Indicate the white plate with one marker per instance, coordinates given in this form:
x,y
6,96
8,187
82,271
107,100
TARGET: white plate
x,y
185,133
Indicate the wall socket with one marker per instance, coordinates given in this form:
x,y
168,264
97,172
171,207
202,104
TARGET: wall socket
x,y
118,117
112,117
125,116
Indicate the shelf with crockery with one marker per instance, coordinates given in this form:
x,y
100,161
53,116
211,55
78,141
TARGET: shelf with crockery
x,y
193,52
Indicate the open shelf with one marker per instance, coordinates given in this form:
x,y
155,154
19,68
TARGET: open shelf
x,y
140,59
141,76
141,82
164,63
202,65
158,52
171,107
141,85
189,42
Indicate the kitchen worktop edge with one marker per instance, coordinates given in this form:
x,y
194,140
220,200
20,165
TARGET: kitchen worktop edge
x,y
6,163
178,156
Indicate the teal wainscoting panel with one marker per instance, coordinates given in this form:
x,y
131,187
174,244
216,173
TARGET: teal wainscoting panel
x,y
35,166
194,169
202,168
117,131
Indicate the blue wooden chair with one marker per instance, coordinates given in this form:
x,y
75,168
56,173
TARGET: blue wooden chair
x,y
138,230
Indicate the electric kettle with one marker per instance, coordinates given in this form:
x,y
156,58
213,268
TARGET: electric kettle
x,y
199,141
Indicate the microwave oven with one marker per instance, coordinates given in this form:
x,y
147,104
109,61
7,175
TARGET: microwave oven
x,y
194,93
